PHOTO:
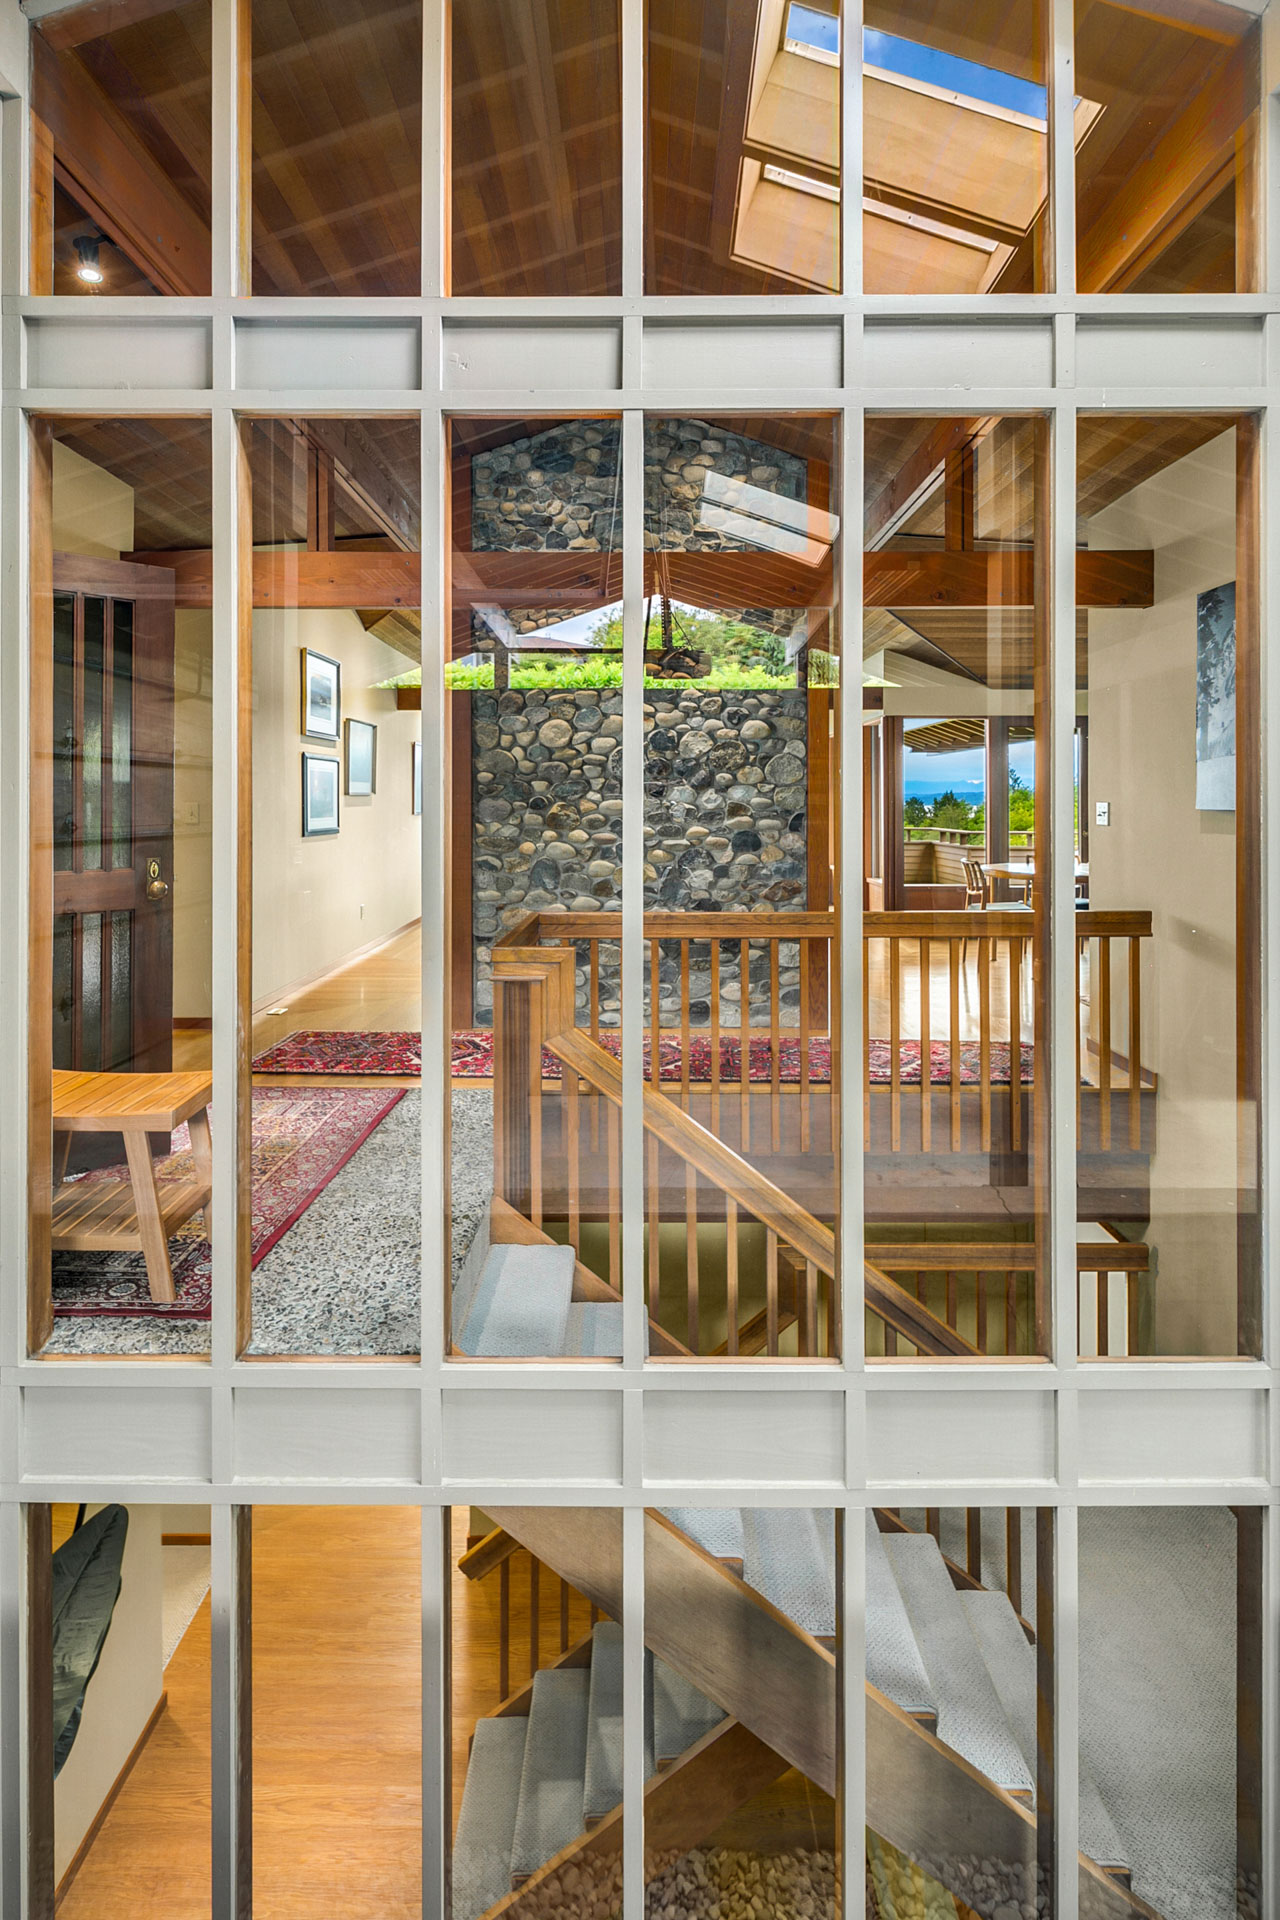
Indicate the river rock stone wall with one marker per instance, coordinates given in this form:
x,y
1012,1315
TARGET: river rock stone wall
x,y
724,823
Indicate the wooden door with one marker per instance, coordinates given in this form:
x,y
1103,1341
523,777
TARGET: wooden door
x,y
113,655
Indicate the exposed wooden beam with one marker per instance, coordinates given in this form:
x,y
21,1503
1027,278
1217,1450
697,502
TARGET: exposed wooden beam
x,y
916,474
72,26
115,178
387,580
366,479
1186,167
320,500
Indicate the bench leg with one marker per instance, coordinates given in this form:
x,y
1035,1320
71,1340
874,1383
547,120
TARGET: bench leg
x,y
202,1155
146,1200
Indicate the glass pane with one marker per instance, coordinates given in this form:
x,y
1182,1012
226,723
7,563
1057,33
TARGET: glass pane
x,y
534,692
125,169
1170,1729
91,740
741,801
337,147
122,733
336,887
955,851
131,1803
1166,176
337,1711
536,1686
121,830
960,1686
743,150
66,739
740,1809
1168,797
536,155
955,150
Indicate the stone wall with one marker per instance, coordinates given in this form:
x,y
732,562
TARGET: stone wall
x,y
725,815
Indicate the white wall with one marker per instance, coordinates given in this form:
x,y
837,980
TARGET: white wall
x,y
1159,852
316,901
123,1693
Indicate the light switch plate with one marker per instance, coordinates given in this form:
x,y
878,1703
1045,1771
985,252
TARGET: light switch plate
x,y
1102,813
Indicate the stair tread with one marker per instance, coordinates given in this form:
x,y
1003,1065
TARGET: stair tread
x,y
595,1327
549,1814
521,1305
602,1788
487,1819
717,1530
1011,1662
971,1720
681,1713
789,1557
894,1664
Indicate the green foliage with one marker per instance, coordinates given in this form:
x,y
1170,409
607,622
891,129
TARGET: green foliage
x,y
915,812
533,676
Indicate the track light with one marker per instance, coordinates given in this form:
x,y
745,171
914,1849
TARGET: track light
x,y
89,270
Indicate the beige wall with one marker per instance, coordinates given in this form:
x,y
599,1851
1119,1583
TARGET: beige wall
x,y
1159,852
316,901
123,1693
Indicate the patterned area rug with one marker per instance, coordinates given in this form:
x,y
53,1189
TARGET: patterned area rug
x,y
301,1138
398,1053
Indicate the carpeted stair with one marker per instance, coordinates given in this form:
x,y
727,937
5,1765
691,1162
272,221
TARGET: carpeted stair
x,y
519,1304
533,1785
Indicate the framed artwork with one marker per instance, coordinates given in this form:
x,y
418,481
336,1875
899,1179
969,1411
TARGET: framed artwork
x,y
319,795
362,756
417,776
321,696
1216,700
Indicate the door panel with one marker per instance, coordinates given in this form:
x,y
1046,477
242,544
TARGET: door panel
x,y
113,646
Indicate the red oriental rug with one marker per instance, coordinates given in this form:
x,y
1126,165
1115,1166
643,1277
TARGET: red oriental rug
x,y
302,1137
398,1053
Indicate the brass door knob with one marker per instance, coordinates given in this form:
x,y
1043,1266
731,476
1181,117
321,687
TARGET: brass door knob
x,y
157,889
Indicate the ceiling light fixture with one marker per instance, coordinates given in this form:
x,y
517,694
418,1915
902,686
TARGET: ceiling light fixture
x,y
89,270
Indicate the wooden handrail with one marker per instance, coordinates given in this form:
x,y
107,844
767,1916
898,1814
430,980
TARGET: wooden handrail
x,y
548,925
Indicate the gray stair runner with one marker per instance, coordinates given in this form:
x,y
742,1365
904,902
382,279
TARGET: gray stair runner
x,y
595,1328
787,1559
1011,1662
602,1790
549,1813
893,1657
681,1715
521,1304
971,1720
717,1530
487,1821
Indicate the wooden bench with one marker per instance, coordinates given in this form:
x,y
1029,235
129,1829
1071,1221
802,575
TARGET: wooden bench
x,y
131,1212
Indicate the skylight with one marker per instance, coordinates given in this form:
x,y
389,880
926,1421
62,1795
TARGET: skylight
x,y
807,28
917,62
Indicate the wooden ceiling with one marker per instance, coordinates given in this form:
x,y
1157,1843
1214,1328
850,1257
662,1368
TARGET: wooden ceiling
x,y
536,138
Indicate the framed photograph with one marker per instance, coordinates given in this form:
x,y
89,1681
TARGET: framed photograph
x,y
321,696
1216,700
319,795
362,756
417,776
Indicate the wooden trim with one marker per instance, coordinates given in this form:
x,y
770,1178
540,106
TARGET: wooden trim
x,y
81,1853
193,1022
40,265
1248,903
1250,1681
185,1540
819,852
40,899
461,838
244,890
310,980
38,1682
891,813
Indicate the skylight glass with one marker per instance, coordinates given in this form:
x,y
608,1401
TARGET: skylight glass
x,y
813,29
916,62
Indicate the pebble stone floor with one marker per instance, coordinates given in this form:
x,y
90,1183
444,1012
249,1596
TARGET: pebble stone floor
x,y
345,1277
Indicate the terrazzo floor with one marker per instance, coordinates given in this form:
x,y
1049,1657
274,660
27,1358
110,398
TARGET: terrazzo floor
x,y
345,1277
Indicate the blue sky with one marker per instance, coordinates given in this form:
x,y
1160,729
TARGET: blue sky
x,y
962,772
917,62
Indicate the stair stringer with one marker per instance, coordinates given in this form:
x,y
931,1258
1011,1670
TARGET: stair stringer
x,y
779,1685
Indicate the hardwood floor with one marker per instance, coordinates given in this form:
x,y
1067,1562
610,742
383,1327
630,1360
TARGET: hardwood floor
x,y
337,1725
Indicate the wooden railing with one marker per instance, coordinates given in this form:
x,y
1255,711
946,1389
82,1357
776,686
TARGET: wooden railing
x,y
533,1018
496,1553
